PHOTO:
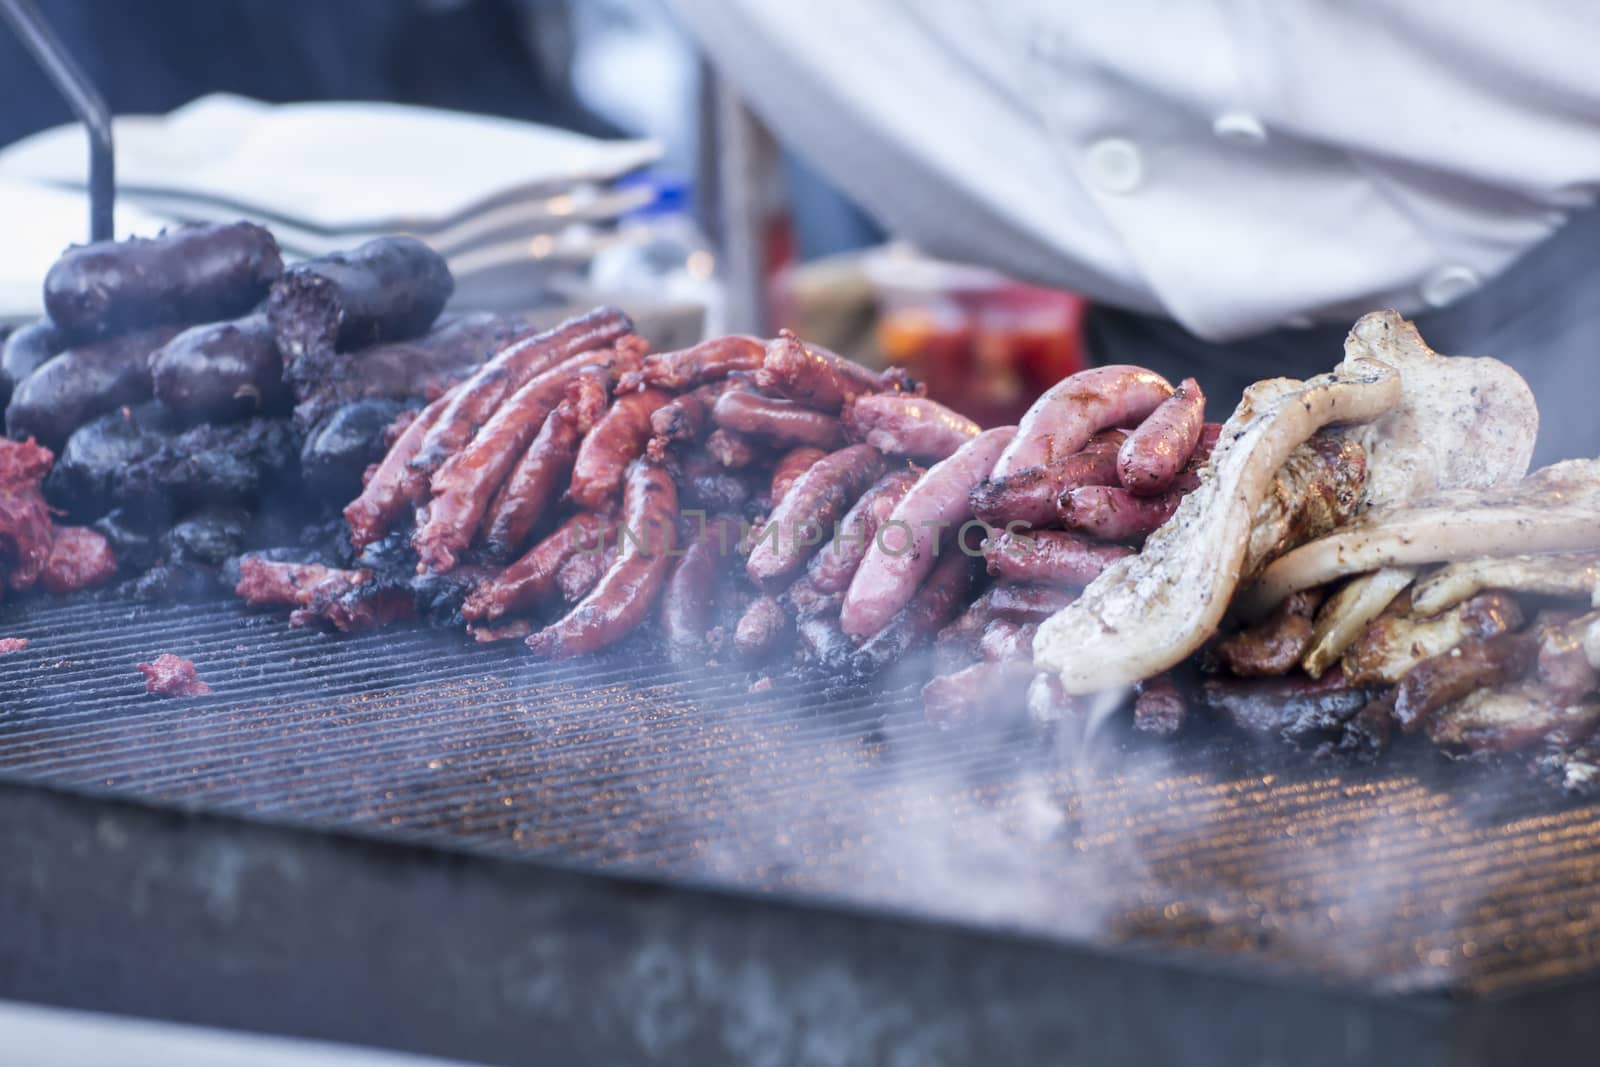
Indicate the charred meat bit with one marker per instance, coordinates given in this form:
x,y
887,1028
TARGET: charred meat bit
x,y
172,676
1276,645
1159,708
80,558
12,644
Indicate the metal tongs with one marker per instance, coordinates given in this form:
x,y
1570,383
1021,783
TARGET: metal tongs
x,y
84,99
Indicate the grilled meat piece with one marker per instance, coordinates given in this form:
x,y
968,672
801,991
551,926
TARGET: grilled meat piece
x,y
1398,640
12,644
221,371
1511,718
208,537
1475,663
80,558
187,274
1461,423
80,383
618,438
540,475
762,629
239,462
1295,707
1347,614
1275,645
835,564
172,676
265,582
1564,668
791,465
1004,639
979,693
688,599
1556,509
934,604
25,530
1566,575
1318,487
783,423
1144,614
388,289
731,450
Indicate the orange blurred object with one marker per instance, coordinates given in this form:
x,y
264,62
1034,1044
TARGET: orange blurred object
x,y
984,345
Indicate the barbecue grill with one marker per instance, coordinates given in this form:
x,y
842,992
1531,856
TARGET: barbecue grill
x,y
405,840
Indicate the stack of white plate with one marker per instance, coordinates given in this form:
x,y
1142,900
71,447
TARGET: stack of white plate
x,y
498,198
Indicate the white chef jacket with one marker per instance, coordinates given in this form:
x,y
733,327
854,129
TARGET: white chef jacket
x,y
1238,165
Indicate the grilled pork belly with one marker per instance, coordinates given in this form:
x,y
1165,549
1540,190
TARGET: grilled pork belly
x,y
1399,639
1567,575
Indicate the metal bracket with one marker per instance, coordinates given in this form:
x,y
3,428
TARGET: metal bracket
x,y
84,99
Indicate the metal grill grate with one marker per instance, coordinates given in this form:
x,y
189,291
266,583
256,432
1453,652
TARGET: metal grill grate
x,y
1415,875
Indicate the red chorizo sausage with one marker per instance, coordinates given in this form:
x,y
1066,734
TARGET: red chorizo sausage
x,y
732,450
705,362
1112,513
781,422
616,441
532,579
761,629
813,376
1157,450
394,484
541,474
629,589
817,500
1070,412
690,594
893,568
476,399
1029,496
464,485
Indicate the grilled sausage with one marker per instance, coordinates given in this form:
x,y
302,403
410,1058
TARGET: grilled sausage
x,y
761,629
395,484
836,563
933,605
1049,556
629,589
220,371
791,465
731,450
1029,496
706,483
26,350
582,572
817,500
464,485
707,361
1070,412
780,422
531,580
813,376
475,400
276,583
616,441
892,569
538,477
690,593
684,417
186,275
80,383
913,426
1006,639
388,289
1157,450
1112,513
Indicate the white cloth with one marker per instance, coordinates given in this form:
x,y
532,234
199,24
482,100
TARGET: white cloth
x,y
1236,164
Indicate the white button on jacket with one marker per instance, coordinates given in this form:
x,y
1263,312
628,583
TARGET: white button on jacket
x,y
1231,165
